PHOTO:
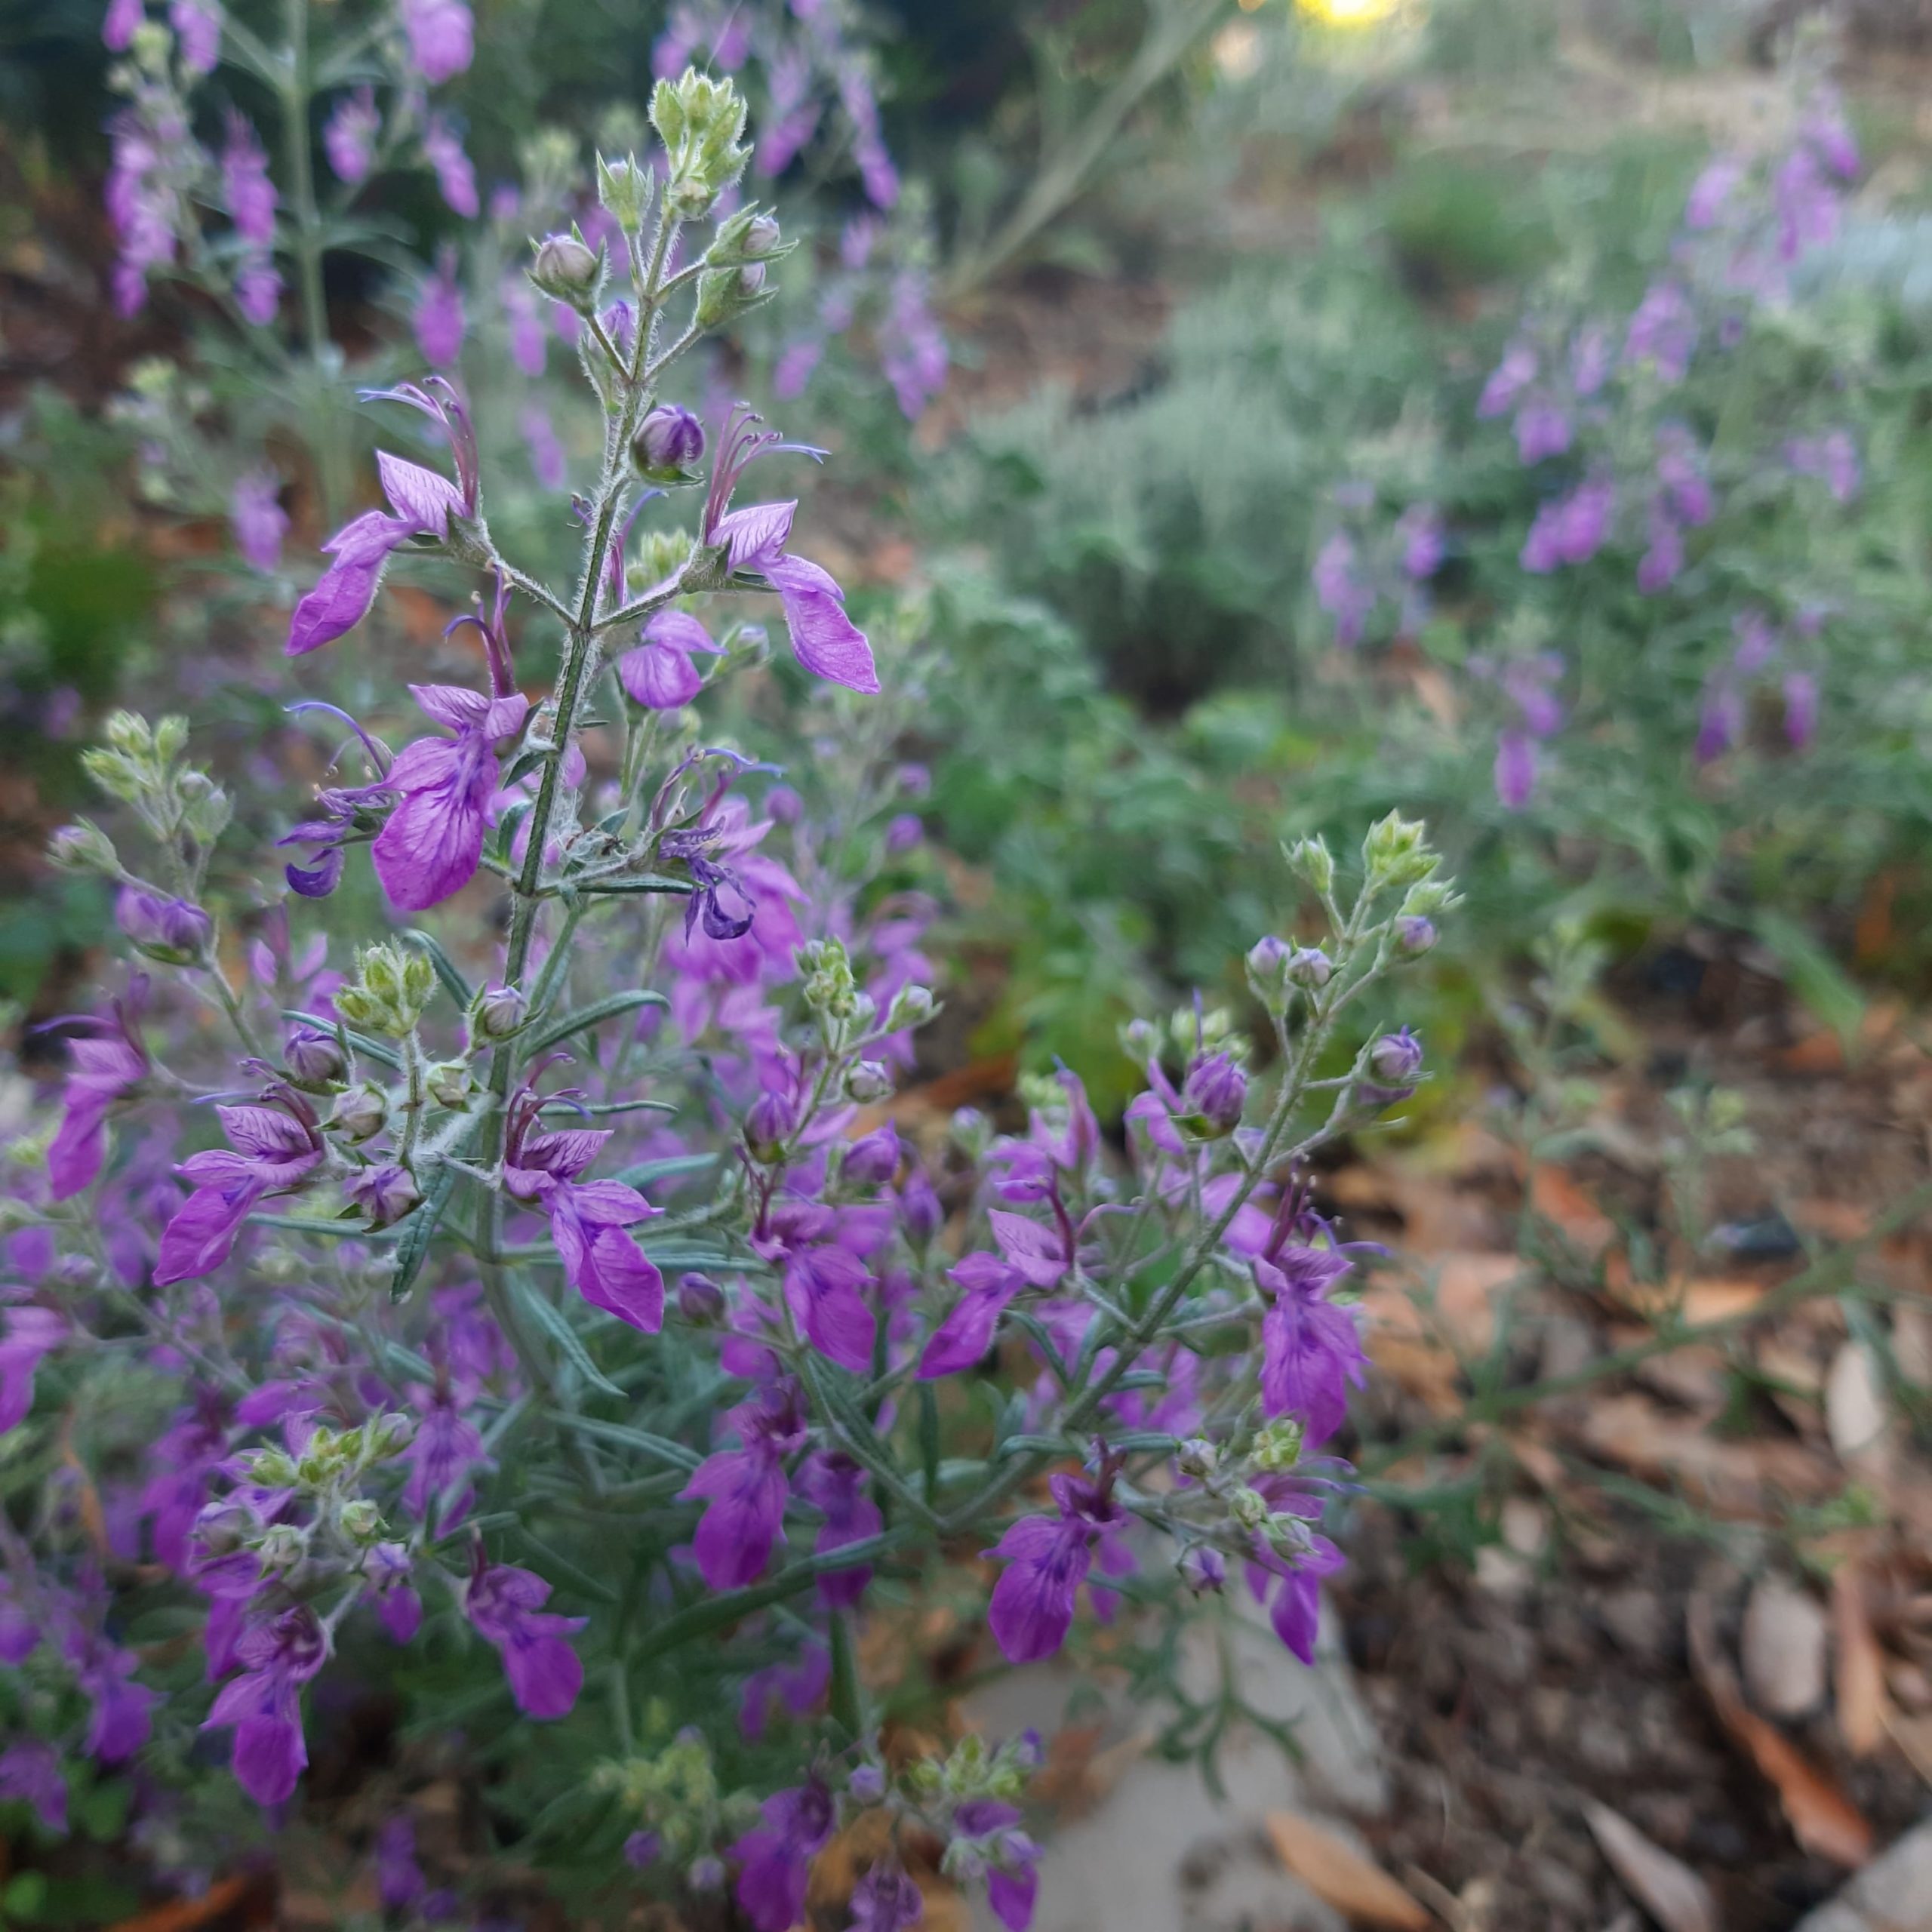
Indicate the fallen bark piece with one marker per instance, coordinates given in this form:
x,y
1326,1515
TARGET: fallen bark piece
x,y
1340,1876
1664,1887
1822,1818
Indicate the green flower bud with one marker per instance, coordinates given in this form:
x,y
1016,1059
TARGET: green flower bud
x,y
567,269
724,294
867,1081
361,1520
625,189
1396,852
912,1005
449,1083
362,1112
1313,861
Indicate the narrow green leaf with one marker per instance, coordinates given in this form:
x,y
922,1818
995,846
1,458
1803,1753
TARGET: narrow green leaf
x,y
454,984
929,1444
588,1017
1820,982
645,1172
848,1696
557,1325
624,1437
647,882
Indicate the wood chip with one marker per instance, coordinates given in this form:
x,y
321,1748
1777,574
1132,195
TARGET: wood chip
x,y
1340,1876
1859,1665
1664,1887
1822,1819
1566,1203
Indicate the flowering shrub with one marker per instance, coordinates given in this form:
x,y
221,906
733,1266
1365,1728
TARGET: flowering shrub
x,y
544,1310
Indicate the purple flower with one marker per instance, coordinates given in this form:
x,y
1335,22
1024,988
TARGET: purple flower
x,y
1542,429
1508,380
659,674
669,445
349,136
118,26
823,638
641,1850
1047,1559
1720,724
110,1063
1681,474
587,1218
258,292
198,30
1711,191
796,1687
264,1705
274,1152
548,463
421,503
1807,203
26,1334
119,1721
1591,356
257,519
1339,592
442,148
1215,1092
775,1860
967,1332
837,1484
1827,130
823,1280
399,1880
439,319
433,842
745,1489
442,1454
1663,331
171,929
1291,1587
1516,765
506,1605
246,188
1800,710
912,347
1571,529
1419,530
1011,1858
886,1900
1833,458
441,35
1660,564
1311,1351
30,1774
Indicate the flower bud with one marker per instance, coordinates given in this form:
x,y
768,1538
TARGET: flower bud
x,y
767,1125
1267,965
361,1520
385,1194
783,804
1414,935
912,1005
83,847
448,1083
872,1161
1277,1446
171,931
669,445
313,1056
1214,1093
707,1873
566,270
972,1132
1196,1457
360,1114
499,1011
1203,1569
625,189
700,1300
920,1213
1312,861
1396,1058
1396,851
904,834
750,235
724,294
1309,967
866,1786
867,1081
